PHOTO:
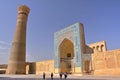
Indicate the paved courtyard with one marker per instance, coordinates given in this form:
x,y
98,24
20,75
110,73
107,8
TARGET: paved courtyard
x,y
56,77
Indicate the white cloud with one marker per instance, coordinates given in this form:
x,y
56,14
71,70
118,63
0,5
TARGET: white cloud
x,y
30,57
4,52
4,43
38,57
4,48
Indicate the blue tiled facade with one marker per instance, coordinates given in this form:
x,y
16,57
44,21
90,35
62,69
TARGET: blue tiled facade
x,y
76,40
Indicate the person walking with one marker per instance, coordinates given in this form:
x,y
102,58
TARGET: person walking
x,y
65,75
60,75
44,75
51,76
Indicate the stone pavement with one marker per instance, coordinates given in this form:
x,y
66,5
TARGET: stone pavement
x,y
56,77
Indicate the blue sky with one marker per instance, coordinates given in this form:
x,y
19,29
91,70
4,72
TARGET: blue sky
x,y
101,19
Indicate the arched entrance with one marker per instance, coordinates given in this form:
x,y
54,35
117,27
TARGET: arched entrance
x,y
86,66
66,55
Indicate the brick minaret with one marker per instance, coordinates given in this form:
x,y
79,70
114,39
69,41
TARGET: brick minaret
x,y
17,58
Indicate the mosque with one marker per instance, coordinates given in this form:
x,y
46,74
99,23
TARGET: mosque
x,y
71,53
73,56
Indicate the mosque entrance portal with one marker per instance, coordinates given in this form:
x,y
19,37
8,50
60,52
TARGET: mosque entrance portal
x,y
66,50
69,45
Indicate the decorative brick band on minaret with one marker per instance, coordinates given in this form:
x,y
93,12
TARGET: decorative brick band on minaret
x,y
17,58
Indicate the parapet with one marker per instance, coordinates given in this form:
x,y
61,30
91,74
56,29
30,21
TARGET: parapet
x,y
23,9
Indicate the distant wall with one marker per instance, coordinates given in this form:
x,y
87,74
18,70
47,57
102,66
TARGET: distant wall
x,y
46,66
106,63
3,68
31,68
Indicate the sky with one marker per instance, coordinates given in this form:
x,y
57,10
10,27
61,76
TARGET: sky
x,y
101,19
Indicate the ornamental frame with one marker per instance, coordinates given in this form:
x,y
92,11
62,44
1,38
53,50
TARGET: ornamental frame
x,y
72,33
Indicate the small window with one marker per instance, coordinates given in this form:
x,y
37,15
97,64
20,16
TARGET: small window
x,y
93,48
69,55
97,48
102,48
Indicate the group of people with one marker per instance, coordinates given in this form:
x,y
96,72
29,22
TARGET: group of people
x,y
60,74
65,75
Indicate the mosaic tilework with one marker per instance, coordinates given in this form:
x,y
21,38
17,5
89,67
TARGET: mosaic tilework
x,y
73,34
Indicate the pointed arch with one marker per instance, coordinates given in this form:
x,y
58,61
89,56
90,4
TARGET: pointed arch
x,y
66,55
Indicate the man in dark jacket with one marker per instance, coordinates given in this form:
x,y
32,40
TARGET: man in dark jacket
x,y
44,75
52,76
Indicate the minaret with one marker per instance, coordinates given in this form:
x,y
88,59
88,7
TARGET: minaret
x,y
17,60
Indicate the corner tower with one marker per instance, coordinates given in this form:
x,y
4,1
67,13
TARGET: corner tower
x,y
16,64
